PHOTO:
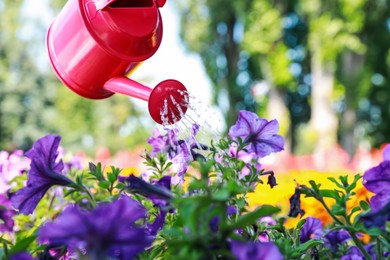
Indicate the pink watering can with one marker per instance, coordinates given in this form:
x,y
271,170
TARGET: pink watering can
x,y
93,44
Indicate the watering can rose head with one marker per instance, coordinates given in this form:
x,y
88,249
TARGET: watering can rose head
x,y
94,45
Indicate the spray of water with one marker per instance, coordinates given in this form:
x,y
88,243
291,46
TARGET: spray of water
x,y
198,114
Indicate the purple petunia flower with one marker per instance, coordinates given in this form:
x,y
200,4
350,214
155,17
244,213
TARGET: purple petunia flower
x,y
6,214
311,228
377,218
377,180
335,238
255,250
260,134
21,256
354,253
45,172
107,231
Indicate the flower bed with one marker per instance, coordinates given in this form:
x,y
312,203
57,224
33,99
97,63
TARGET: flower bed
x,y
226,207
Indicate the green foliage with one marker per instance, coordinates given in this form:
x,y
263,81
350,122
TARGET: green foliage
x,y
263,28
34,103
345,218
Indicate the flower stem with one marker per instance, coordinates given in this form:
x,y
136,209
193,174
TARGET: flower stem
x,y
378,247
359,244
349,229
91,199
330,213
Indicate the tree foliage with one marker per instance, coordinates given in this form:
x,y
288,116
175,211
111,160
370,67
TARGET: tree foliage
x,y
33,102
332,51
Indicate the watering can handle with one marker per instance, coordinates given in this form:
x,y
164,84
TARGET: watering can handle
x,y
101,4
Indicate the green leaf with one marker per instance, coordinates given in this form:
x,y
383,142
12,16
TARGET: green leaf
x,y
309,244
301,223
357,177
205,167
338,210
235,188
330,194
252,217
240,203
104,184
112,177
22,244
354,210
120,186
5,241
197,185
344,181
221,195
96,170
69,192
374,231
167,166
336,182
2,254
364,205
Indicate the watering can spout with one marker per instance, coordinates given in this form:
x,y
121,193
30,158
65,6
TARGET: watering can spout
x,y
167,102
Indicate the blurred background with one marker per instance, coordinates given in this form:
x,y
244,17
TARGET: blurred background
x,y
321,68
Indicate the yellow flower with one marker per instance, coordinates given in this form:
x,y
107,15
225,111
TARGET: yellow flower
x,y
126,172
280,194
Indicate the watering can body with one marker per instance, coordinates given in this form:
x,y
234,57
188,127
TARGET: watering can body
x,y
93,41
94,44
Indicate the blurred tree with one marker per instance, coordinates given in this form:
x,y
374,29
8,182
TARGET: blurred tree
x,y
333,28
33,101
263,40
299,48
23,113
373,107
213,29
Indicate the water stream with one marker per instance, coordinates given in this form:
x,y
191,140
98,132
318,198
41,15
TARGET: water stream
x,y
198,114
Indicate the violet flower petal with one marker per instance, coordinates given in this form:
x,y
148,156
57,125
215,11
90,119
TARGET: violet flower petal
x,y
377,179
6,214
260,134
21,256
45,172
311,228
258,251
109,230
377,218
335,238
380,200
158,192
386,153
